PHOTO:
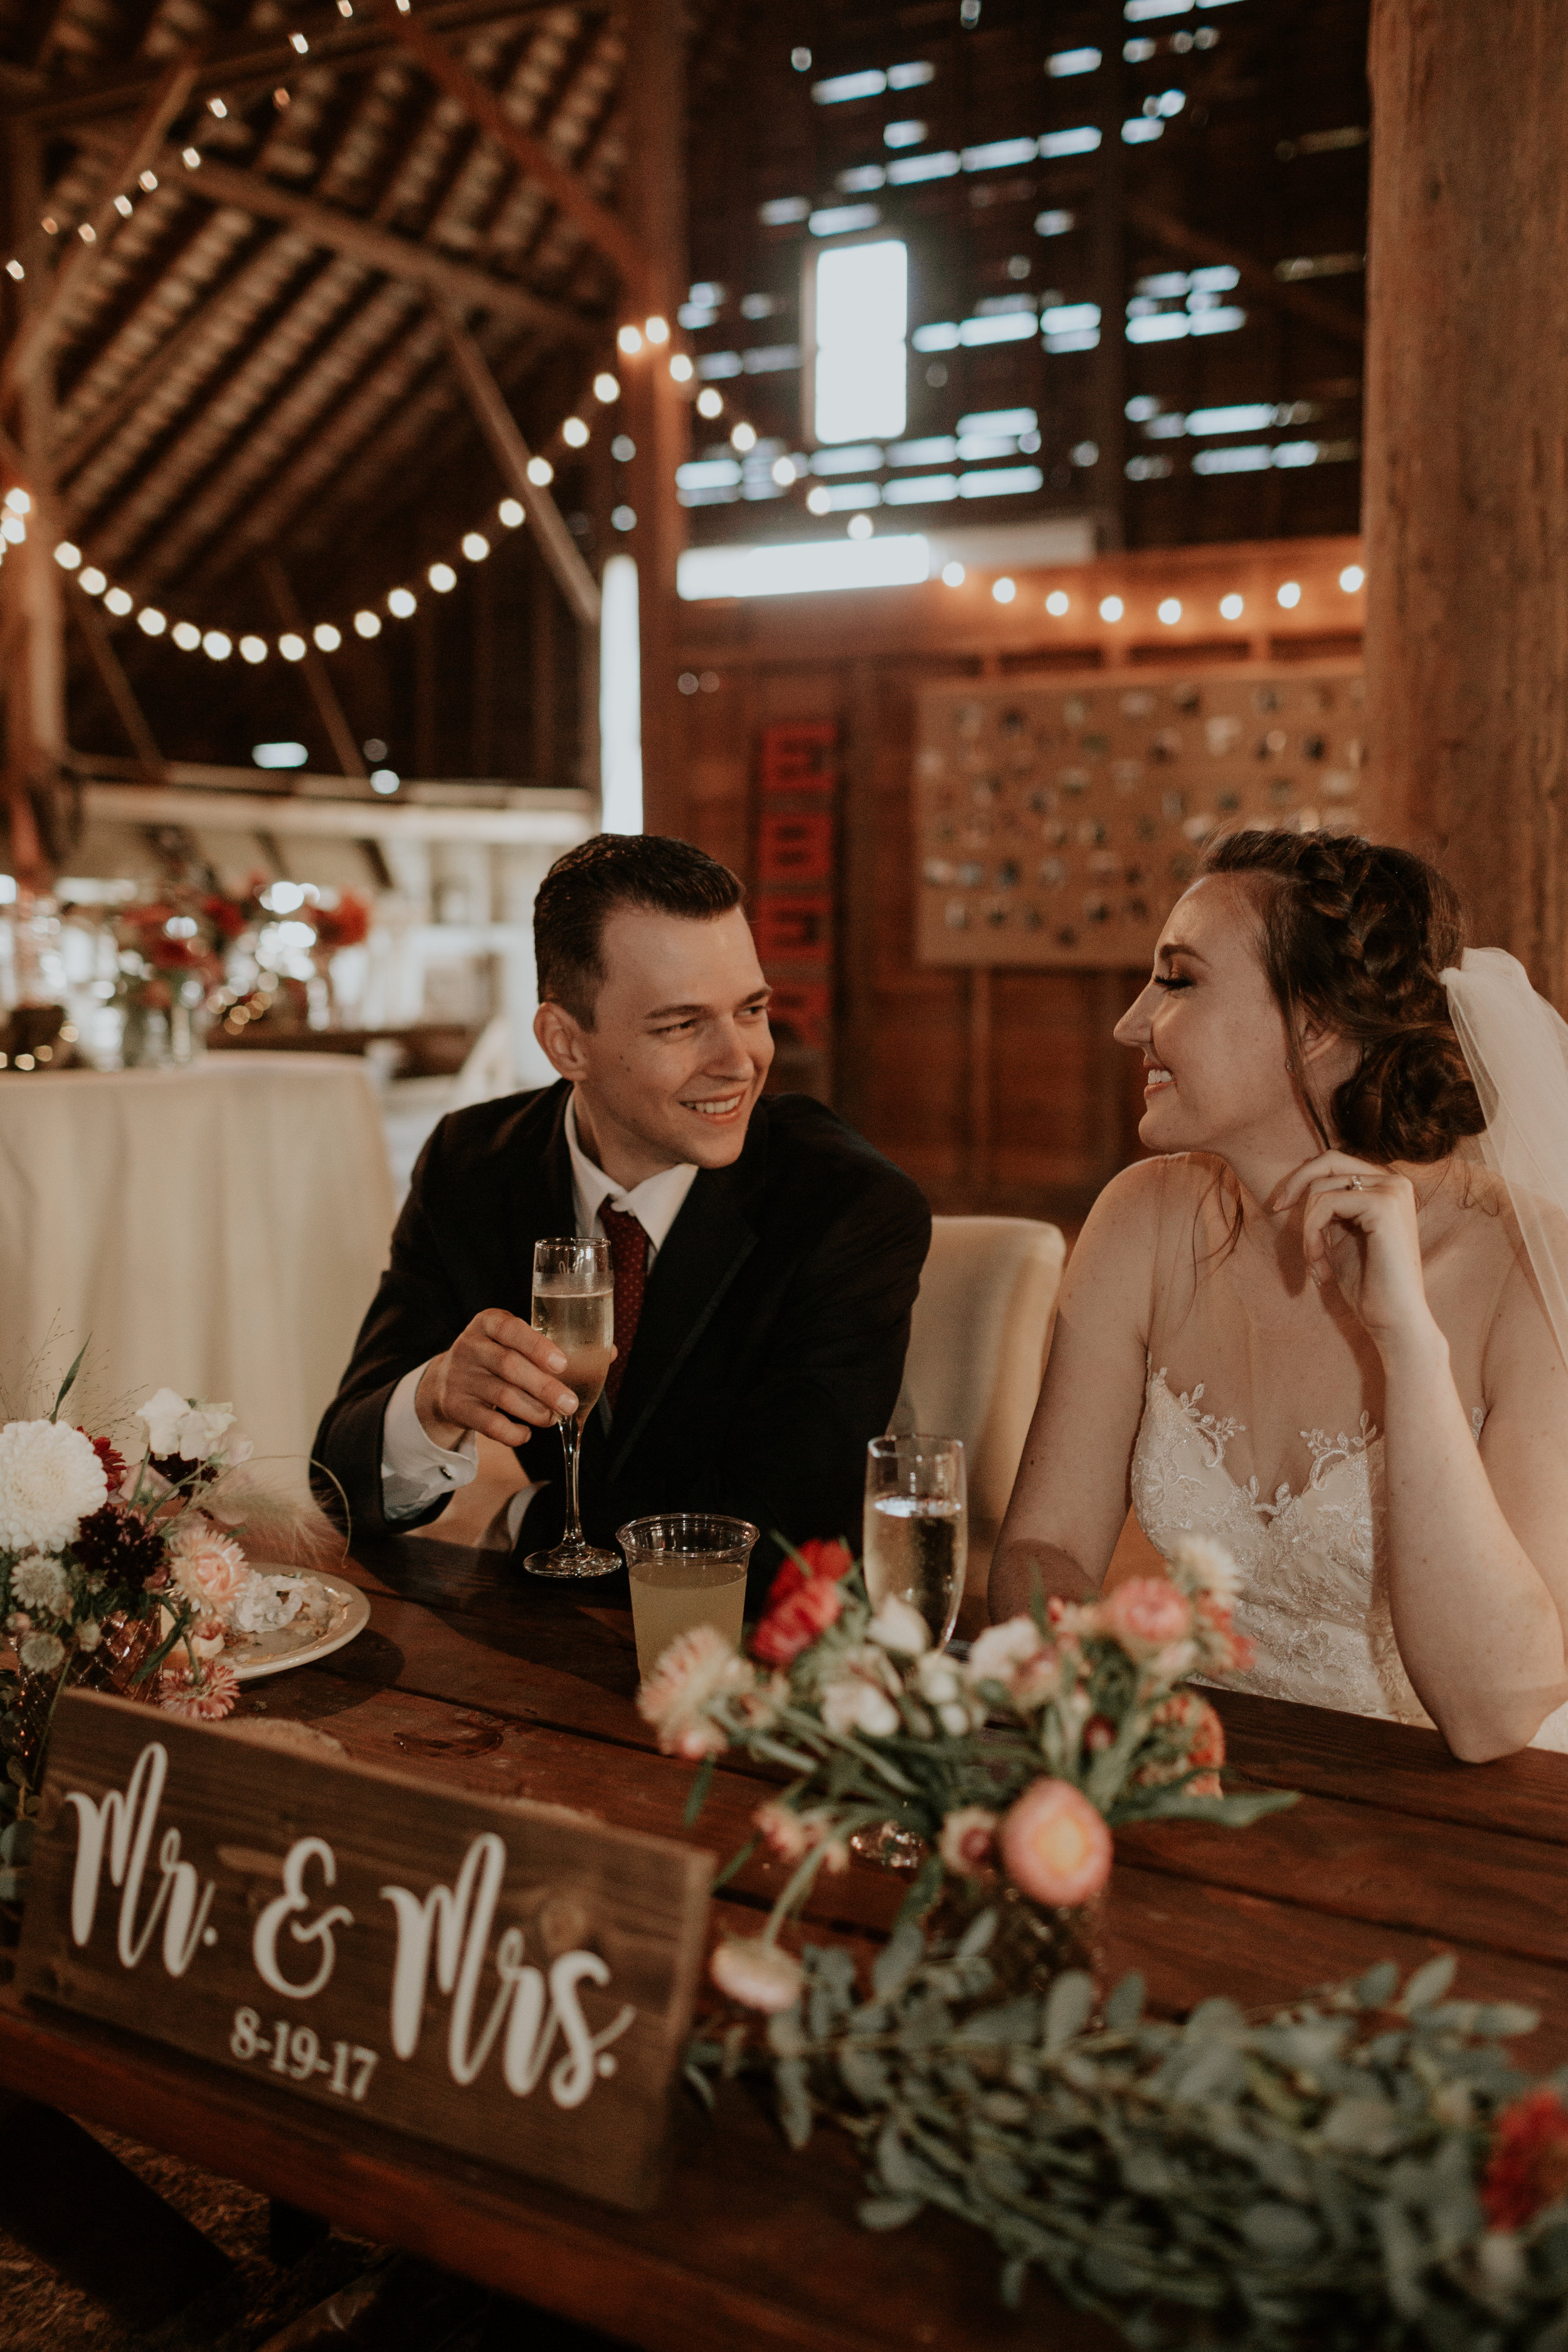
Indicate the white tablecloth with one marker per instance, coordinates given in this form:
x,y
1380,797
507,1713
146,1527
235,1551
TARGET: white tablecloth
x,y
218,1230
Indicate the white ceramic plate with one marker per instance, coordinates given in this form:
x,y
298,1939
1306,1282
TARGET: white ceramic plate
x,y
296,1645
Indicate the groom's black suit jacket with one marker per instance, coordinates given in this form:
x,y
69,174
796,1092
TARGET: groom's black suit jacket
x,y
771,1344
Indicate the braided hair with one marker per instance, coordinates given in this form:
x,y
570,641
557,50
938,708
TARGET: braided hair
x,y
1354,935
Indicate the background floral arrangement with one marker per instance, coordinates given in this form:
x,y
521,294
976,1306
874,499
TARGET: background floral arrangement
x,y
1012,1766
1362,2170
126,1576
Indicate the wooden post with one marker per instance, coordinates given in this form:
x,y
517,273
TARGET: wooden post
x,y
31,582
1108,382
1467,465
656,410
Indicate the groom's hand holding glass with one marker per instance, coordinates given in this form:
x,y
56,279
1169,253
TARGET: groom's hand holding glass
x,y
500,1377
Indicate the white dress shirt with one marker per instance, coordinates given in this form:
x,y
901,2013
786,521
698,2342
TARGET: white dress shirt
x,y
415,1471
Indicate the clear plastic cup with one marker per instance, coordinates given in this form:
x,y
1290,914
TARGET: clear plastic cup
x,y
687,1568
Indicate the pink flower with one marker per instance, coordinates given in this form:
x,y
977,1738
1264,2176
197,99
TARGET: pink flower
x,y
968,1845
750,1969
696,1671
794,1836
1191,1723
1055,1846
208,1567
207,1702
1145,1615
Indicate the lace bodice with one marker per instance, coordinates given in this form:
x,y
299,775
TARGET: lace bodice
x,y
1313,1564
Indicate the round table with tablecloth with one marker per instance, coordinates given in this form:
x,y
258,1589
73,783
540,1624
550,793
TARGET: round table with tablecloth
x,y
218,1230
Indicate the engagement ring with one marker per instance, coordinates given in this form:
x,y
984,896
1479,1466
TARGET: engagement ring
x,y
1356,1184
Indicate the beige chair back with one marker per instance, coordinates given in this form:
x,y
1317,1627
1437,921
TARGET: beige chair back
x,y
978,1343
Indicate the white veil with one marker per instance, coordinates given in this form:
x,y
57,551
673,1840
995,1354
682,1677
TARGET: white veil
x,y
1516,1048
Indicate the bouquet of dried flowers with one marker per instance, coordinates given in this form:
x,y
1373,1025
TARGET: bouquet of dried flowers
x,y
1012,1768
1362,2172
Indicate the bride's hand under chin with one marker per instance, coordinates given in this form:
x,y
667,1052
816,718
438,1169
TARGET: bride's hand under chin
x,y
1360,1232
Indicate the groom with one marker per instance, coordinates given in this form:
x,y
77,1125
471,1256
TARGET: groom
x,y
766,1258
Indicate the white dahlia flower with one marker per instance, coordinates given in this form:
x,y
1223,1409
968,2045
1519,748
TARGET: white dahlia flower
x,y
50,1479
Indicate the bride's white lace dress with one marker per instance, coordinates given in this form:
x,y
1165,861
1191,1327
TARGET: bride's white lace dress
x,y
1314,1578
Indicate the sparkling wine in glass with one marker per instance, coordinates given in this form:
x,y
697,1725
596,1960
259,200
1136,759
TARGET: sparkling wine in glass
x,y
574,1305
916,1532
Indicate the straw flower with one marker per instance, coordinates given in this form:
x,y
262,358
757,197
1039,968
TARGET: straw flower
x,y
697,1669
1055,1846
207,1702
756,1973
968,1844
208,1567
1147,1615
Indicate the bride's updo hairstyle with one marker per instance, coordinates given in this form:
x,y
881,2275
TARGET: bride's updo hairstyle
x,y
1353,936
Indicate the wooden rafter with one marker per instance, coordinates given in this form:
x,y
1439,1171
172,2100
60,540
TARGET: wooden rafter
x,y
81,267
377,249
601,227
111,673
511,451
1256,277
323,694
255,53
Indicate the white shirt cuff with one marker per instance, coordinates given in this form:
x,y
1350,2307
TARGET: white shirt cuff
x,y
414,1471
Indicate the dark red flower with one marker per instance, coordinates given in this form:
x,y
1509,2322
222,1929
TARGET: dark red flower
x,y
226,916
1528,2168
113,1463
821,1558
120,1545
344,925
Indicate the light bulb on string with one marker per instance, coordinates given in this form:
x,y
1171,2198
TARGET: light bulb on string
x,y
401,604
187,637
744,436
575,433
442,578
512,513
657,329
67,557
327,636
292,646
253,650
606,387
680,368
367,624
151,622
475,546
217,645
118,603
540,472
628,341
710,402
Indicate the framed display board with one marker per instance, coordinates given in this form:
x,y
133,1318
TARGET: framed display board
x,y
1058,819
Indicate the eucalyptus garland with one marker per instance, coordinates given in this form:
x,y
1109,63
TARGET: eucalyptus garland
x,y
1363,2169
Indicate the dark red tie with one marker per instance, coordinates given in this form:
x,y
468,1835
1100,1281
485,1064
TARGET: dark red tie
x,y
628,1259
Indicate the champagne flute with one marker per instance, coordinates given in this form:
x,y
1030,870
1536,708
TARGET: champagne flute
x,y
574,1305
916,1532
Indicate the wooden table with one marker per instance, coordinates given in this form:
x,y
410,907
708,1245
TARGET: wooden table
x,y
484,1680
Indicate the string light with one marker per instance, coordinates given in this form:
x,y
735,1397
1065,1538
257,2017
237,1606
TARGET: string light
x,y
253,650
1231,607
1288,594
628,341
1352,578
292,648
680,368
327,637
367,624
953,575
148,180
1004,589
510,513
119,602
67,556
1112,608
575,433
18,502
187,637
475,546
606,387
401,604
217,645
124,207
150,621
1057,602
14,269
1170,611
442,578
540,472
744,436
710,402
656,329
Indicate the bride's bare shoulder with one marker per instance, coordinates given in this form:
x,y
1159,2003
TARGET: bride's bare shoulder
x,y
1152,1201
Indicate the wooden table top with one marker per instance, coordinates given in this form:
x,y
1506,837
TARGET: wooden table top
x,y
488,1681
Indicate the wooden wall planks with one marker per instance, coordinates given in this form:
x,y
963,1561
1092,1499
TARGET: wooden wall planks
x,y
1000,1091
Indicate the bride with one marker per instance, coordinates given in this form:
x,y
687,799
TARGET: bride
x,y
1327,1327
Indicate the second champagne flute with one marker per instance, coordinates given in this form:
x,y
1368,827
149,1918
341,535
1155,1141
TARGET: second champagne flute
x,y
574,1305
917,1527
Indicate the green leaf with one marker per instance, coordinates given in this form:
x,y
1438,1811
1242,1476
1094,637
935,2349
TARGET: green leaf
x,y
896,1961
68,1382
1428,1984
977,1937
1010,2020
736,1863
927,1887
1067,2006
1125,2006
697,1796
1282,2232
889,2212
794,2101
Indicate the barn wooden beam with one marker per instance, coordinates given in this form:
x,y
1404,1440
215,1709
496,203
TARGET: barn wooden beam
x,y
659,413
1256,277
111,673
254,53
70,454
323,693
31,584
394,257
511,451
610,236
82,264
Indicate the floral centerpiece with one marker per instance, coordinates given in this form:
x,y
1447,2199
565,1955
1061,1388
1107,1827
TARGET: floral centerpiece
x,y
1011,1769
171,959
126,1575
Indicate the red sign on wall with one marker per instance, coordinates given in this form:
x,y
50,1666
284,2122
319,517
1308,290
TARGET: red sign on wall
x,y
795,848
796,929
800,758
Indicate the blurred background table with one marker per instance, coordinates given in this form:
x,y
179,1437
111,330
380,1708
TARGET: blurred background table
x,y
218,1229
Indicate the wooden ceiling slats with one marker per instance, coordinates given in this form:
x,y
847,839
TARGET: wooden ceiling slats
x,y
230,375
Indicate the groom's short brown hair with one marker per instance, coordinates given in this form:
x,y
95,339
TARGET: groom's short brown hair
x,y
616,869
